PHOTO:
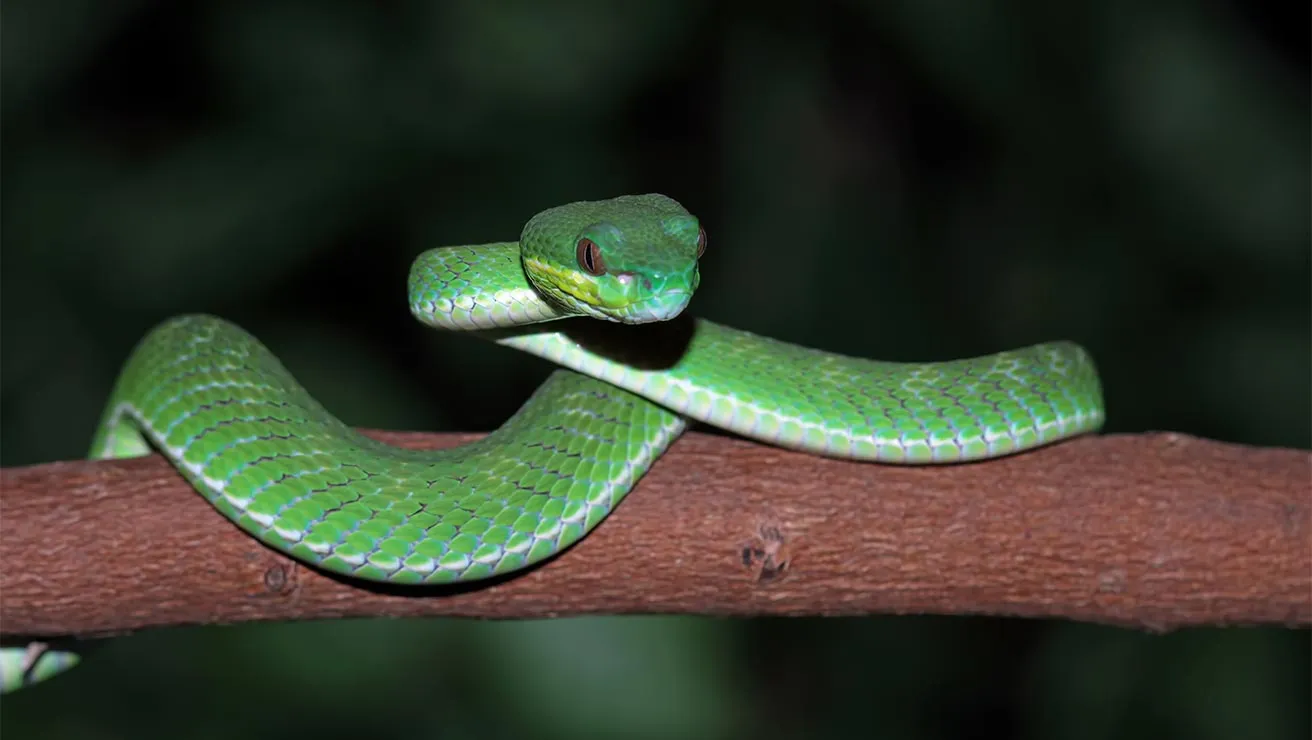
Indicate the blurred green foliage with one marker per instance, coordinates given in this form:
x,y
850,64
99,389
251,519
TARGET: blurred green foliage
x,y
895,180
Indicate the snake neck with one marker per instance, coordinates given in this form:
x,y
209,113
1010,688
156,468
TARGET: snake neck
x,y
477,287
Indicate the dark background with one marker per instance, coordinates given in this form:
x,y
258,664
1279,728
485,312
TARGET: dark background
x,y
897,180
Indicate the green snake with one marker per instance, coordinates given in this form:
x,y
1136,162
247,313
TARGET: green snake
x,y
233,421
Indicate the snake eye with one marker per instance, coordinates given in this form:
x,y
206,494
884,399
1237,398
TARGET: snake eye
x,y
701,242
589,256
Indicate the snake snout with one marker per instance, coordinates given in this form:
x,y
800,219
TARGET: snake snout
x,y
637,280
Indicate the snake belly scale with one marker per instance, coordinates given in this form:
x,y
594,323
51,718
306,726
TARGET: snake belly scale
x,y
227,414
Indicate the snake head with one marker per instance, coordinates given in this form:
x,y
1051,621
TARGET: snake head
x,y
631,259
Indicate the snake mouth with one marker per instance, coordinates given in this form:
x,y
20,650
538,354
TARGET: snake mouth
x,y
663,306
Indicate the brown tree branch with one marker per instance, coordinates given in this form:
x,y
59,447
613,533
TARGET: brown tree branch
x,y
1153,531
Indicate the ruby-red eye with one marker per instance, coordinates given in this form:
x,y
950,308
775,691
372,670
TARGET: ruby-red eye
x,y
589,255
701,242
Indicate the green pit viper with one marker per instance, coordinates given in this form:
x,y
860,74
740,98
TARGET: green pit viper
x,y
224,411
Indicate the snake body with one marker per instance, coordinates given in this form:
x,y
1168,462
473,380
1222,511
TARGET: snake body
x,y
251,440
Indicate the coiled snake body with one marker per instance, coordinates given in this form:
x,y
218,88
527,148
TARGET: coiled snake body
x,y
271,459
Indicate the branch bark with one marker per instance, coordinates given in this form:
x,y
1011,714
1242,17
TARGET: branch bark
x,y
1151,531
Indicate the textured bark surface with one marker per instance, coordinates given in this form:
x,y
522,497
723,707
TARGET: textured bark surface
x,y
1152,531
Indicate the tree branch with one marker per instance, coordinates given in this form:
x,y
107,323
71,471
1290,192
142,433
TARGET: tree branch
x,y
1152,531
